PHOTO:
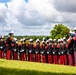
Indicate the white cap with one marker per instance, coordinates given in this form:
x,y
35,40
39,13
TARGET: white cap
x,y
37,40
54,40
64,38
31,40
50,39
58,40
74,28
24,39
21,40
61,39
47,41
73,32
2,36
70,31
43,39
12,31
15,39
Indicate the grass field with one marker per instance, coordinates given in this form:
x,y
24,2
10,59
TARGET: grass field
x,y
11,67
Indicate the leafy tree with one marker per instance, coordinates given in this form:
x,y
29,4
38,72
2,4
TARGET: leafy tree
x,y
59,31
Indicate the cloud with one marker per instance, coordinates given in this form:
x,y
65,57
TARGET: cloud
x,y
35,12
35,17
3,11
65,5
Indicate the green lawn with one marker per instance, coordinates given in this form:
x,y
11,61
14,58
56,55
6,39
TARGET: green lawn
x,y
11,67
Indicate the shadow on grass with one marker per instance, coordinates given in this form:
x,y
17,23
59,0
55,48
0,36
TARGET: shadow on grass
x,y
7,71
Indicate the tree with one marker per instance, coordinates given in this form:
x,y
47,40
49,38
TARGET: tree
x,y
59,31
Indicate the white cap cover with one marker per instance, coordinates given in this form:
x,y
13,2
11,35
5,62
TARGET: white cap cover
x,y
54,39
70,31
47,41
2,36
50,39
37,40
15,39
21,40
64,38
31,40
24,39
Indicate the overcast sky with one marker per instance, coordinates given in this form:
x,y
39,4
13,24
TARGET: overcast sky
x,y
35,17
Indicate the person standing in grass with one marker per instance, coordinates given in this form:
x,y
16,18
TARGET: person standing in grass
x,y
31,49
62,56
43,51
23,49
58,51
49,50
9,42
37,51
70,50
64,51
74,46
2,47
54,52
15,49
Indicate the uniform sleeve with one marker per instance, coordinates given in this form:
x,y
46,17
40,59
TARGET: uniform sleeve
x,y
11,39
4,44
34,46
19,46
26,45
40,46
12,45
52,46
46,47
58,46
74,38
66,45
74,45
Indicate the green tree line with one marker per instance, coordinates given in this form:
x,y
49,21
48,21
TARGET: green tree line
x,y
57,32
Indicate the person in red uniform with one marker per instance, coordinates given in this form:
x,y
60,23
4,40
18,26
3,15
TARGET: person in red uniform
x,y
74,47
64,51
54,52
37,51
47,44
31,50
49,50
62,56
70,50
23,50
43,51
9,45
15,49
2,47
59,51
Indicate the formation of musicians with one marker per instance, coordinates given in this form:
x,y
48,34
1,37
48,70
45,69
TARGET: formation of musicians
x,y
61,51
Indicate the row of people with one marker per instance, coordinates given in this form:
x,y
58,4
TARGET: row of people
x,y
57,52
50,52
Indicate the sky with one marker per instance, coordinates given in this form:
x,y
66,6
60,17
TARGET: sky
x,y
35,17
